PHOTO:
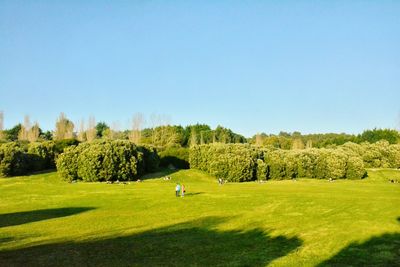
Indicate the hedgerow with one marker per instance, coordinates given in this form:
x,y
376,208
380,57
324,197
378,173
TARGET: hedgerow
x,y
238,162
106,161
232,162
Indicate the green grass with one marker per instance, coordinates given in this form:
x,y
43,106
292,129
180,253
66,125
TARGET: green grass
x,y
48,222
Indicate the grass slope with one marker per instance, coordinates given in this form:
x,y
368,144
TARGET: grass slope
x,y
47,222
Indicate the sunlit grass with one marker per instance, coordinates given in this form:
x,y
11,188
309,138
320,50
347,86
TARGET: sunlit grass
x,y
45,221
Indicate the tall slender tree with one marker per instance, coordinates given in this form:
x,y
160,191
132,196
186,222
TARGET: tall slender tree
x,y
137,125
82,132
34,132
1,125
259,139
91,132
64,128
25,128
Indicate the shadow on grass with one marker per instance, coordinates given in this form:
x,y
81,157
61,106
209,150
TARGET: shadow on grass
x,y
162,172
196,243
382,250
193,194
17,218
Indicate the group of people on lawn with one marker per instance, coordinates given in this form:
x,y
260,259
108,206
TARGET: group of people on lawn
x,y
179,190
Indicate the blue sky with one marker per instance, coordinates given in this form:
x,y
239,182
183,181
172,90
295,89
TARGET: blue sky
x,y
252,66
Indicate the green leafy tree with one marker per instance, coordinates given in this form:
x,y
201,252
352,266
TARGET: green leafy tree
x,y
101,127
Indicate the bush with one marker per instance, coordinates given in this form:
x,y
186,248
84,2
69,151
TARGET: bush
x,y
307,161
231,162
175,156
151,158
67,162
109,161
42,155
355,168
394,156
331,164
235,162
13,160
276,165
60,145
262,170
106,161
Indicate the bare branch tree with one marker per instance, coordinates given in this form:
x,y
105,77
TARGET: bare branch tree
x,y
64,128
309,144
193,137
259,139
1,125
82,132
25,128
137,124
33,133
91,132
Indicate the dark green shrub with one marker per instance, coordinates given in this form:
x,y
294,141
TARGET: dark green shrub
x,y
151,158
67,162
175,156
116,160
13,160
60,145
42,155
104,160
231,162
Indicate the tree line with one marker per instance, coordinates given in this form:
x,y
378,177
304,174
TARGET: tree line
x,y
244,162
296,140
163,134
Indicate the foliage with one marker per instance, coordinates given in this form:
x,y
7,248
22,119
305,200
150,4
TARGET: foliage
x,y
45,155
12,134
151,158
297,140
176,135
232,162
103,160
262,170
101,127
13,160
375,135
175,156
60,145
235,162
355,168
67,162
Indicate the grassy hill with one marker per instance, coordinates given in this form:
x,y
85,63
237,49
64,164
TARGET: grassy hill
x,y
45,222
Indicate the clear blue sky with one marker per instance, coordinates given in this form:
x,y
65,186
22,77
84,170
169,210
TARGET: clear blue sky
x,y
252,66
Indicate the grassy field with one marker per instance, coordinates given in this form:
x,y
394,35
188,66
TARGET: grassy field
x,y
47,222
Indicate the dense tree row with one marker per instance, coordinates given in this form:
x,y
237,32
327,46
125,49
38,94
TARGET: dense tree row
x,y
237,162
163,135
176,157
233,162
296,140
17,158
106,161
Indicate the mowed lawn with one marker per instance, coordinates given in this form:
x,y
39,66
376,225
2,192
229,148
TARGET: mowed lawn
x,y
47,222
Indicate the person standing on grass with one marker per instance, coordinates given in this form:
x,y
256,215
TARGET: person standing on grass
x,y
182,191
177,189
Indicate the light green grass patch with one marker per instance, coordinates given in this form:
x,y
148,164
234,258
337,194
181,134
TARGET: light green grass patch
x,y
45,222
